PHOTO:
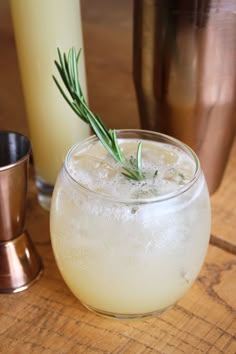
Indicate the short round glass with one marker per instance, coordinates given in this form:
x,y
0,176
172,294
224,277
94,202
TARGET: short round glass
x,y
130,249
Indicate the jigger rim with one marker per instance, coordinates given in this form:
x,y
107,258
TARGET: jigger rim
x,y
21,159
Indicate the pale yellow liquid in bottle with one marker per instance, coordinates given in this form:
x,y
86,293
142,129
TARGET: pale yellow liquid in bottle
x,y
40,27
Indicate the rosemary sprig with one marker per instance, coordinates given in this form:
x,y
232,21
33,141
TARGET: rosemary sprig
x,y
67,67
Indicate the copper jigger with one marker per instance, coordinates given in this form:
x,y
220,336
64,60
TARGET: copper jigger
x,y
20,265
185,75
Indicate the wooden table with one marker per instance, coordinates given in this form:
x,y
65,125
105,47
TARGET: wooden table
x,y
47,318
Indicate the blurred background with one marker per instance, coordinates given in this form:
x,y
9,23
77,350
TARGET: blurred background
x,y
103,63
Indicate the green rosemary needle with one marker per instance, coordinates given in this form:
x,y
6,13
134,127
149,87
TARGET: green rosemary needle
x,y
67,67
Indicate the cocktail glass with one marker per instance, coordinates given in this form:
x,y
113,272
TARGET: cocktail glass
x,y
129,257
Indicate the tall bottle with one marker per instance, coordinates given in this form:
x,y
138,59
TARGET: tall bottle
x,y
40,27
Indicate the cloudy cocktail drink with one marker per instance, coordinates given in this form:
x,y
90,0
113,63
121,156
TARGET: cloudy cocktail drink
x,y
130,248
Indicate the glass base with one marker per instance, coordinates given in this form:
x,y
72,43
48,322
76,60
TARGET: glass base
x,y
128,317
44,193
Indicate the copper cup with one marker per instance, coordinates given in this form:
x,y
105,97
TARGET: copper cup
x,y
185,75
20,265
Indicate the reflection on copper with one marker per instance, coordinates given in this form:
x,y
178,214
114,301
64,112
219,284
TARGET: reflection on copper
x,y
185,75
20,265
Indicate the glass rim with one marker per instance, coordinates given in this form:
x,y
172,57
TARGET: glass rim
x,y
24,156
134,201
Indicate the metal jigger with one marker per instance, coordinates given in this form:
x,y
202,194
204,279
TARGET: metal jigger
x,y
20,265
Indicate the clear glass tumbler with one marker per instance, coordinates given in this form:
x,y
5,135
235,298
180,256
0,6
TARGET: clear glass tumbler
x,y
129,257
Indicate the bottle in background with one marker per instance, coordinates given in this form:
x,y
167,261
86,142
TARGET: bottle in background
x,y
40,27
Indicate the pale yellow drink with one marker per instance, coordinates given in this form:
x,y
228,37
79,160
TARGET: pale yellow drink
x,y
40,27
130,249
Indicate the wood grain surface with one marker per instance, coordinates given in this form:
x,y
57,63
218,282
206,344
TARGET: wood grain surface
x,y
223,204
47,318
